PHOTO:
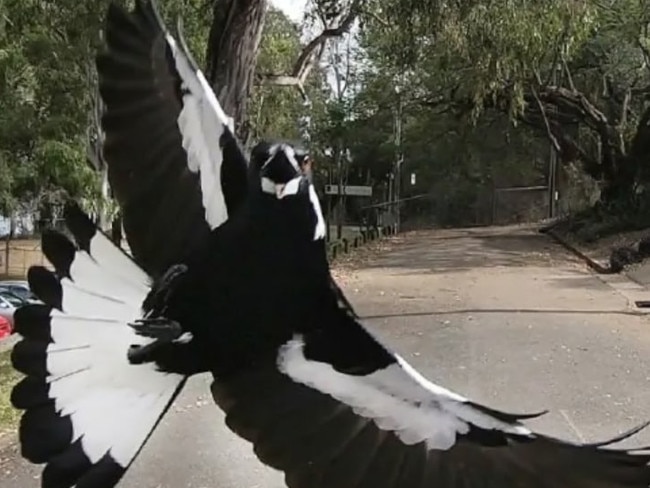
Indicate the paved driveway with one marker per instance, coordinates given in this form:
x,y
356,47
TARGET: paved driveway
x,y
501,315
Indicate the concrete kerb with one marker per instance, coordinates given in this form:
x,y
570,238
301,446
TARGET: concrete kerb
x,y
621,282
344,245
593,264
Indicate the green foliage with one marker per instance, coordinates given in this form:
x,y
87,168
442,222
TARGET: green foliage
x,y
573,69
45,71
47,77
275,112
9,416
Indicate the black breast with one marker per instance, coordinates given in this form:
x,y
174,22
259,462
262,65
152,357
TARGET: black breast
x,y
252,287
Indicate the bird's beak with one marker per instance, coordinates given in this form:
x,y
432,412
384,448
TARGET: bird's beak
x,y
281,190
291,187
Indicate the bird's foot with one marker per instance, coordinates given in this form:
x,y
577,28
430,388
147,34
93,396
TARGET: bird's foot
x,y
169,279
138,354
163,330
162,289
160,328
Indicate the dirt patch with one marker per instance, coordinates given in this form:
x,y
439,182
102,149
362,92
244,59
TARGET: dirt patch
x,y
345,265
601,249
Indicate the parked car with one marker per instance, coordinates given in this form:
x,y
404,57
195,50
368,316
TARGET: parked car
x,y
8,305
6,329
20,289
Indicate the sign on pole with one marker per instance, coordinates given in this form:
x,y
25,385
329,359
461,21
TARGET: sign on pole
x,y
349,190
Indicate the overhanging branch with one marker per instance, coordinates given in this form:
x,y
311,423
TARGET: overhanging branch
x,y
312,53
547,124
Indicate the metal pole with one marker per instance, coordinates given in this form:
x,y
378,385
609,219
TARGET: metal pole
x,y
398,157
328,221
552,164
340,200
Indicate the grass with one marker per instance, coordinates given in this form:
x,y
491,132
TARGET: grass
x,y
8,377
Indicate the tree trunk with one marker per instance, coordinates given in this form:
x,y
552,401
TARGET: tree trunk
x,y
231,58
10,236
619,182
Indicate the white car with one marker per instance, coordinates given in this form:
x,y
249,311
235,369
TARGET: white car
x,y
8,305
20,289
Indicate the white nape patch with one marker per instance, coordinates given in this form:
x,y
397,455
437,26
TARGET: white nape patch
x,y
394,399
291,188
202,122
320,230
113,405
290,153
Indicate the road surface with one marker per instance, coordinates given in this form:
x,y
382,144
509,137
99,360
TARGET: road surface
x,y
503,316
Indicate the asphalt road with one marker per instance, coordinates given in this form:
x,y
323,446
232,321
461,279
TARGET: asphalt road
x,y
500,315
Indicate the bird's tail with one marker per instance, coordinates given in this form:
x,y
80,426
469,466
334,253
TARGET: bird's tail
x,y
87,410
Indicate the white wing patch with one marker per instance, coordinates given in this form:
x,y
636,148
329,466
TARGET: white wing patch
x,y
291,188
202,122
395,399
112,404
320,230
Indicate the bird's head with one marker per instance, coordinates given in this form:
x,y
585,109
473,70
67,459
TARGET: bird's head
x,y
282,169
285,173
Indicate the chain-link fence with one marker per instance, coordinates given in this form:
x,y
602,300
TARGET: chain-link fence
x,y
520,204
16,257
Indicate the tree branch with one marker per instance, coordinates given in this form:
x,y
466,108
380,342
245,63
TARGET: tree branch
x,y
567,72
375,17
623,121
645,52
313,52
547,124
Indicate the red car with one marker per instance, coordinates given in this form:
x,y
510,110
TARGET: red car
x,y
5,328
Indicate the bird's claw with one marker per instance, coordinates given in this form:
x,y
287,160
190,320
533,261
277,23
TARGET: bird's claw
x,y
171,276
160,328
158,297
138,354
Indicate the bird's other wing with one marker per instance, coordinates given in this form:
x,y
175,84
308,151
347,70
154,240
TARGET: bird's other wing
x,y
87,411
335,409
174,164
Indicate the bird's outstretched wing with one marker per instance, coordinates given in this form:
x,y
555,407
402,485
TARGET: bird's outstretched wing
x,y
87,410
335,409
174,165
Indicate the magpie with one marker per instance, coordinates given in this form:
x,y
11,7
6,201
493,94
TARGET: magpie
x,y
294,370
297,375
174,165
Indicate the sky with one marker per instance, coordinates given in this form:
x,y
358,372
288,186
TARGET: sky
x,y
292,8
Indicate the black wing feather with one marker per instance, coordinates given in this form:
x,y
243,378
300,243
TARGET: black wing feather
x,y
320,441
160,197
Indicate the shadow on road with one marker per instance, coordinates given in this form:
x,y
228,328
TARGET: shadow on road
x,y
460,250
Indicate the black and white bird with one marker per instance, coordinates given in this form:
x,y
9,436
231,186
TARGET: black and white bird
x,y
295,372
174,165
